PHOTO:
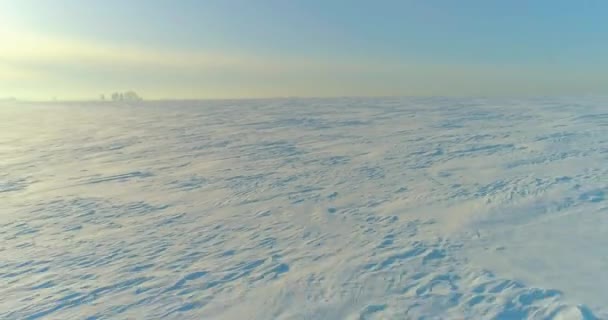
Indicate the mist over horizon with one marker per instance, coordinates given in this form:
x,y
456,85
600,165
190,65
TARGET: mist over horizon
x,y
76,50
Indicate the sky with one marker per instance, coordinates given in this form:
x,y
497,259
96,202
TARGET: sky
x,y
189,49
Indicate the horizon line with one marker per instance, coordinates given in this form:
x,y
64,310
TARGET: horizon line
x,y
76,100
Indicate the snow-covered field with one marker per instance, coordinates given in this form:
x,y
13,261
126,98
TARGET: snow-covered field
x,y
392,208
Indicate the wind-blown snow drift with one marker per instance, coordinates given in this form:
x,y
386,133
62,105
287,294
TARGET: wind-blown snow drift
x,y
305,208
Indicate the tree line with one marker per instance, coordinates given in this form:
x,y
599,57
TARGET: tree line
x,y
124,96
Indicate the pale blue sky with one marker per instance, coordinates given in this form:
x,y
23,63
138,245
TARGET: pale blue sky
x,y
246,48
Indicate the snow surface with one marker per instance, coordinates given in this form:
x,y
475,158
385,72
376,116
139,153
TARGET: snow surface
x,y
347,208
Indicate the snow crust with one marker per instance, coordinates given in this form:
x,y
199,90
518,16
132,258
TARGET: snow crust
x,y
352,208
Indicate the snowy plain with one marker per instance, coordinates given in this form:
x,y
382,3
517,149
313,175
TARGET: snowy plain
x,y
351,208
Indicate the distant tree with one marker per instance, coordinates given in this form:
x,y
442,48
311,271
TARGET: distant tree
x,y
126,96
131,96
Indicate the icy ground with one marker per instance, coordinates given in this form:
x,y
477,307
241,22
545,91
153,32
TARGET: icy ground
x,y
305,209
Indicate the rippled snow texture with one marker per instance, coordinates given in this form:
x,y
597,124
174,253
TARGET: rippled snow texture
x,y
305,209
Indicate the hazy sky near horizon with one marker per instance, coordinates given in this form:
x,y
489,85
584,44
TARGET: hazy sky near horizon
x,y
74,49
